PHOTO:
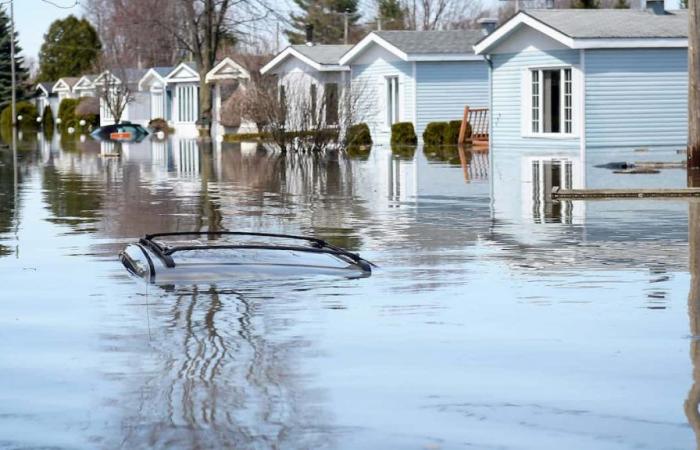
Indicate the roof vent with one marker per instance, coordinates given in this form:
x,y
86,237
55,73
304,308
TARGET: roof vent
x,y
656,7
309,35
487,25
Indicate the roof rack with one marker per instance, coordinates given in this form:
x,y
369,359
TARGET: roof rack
x,y
164,252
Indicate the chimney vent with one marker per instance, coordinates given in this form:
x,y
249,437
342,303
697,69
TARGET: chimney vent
x,y
309,35
656,7
487,25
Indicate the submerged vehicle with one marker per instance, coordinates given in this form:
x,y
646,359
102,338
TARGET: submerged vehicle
x,y
232,255
121,132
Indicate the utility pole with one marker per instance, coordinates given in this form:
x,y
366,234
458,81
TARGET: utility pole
x,y
346,18
12,64
693,85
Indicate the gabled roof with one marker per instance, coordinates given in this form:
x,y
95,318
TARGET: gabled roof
x,y
85,82
452,45
227,69
46,88
158,73
183,72
323,58
597,28
65,84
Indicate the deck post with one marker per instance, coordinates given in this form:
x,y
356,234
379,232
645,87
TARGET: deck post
x,y
463,128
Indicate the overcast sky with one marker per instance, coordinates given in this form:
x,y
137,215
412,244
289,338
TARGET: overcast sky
x,y
33,18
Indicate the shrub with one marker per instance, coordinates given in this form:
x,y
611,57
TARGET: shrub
x,y
358,136
160,124
452,132
66,111
25,109
47,121
403,133
434,133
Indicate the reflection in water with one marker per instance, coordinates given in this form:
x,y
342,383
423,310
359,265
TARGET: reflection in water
x,y
692,403
227,378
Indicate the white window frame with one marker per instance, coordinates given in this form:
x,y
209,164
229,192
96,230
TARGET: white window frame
x,y
392,100
527,106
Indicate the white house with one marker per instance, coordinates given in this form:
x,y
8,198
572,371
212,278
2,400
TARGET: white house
x,y
45,96
183,83
122,85
588,81
226,78
63,88
311,75
160,96
85,86
416,76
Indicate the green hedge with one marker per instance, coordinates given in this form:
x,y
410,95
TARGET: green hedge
x,y
25,109
434,133
66,112
359,136
403,133
331,134
452,132
47,121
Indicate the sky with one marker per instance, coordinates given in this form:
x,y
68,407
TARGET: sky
x,y
33,18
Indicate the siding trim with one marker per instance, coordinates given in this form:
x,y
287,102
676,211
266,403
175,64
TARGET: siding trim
x,y
415,99
582,112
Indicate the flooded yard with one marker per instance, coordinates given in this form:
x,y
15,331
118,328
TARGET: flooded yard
x,y
497,319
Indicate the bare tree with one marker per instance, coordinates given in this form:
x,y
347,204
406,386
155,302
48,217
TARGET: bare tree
x,y
438,14
114,92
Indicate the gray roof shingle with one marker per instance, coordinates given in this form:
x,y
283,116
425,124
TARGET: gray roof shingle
x,y
432,42
613,23
323,54
48,87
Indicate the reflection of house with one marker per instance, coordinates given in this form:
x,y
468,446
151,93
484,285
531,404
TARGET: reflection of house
x,y
45,96
583,79
227,78
416,76
64,88
310,78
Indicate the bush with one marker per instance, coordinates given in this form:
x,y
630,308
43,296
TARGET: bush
x,y
160,124
358,136
434,133
452,132
66,111
25,109
47,121
403,133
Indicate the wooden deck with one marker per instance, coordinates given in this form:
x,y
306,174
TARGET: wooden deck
x,y
611,194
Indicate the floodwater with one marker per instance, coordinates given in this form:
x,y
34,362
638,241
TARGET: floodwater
x,y
497,319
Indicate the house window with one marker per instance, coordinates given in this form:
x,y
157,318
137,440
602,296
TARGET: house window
x,y
314,104
551,101
330,93
392,100
187,103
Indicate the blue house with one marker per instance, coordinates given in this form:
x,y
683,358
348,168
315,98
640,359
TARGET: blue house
x,y
415,76
592,81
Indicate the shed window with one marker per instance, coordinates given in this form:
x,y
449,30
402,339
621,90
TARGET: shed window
x,y
551,101
392,100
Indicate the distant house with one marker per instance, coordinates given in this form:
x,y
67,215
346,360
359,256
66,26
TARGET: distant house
x,y
183,84
310,77
45,96
589,80
153,83
227,78
63,88
416,76
85,86
114,85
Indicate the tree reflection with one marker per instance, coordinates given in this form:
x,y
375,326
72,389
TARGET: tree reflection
x,y
227,379
693,401
73,198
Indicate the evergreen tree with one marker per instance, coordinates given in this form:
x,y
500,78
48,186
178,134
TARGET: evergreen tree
x,y
70,49
586,4
621,4
327,18
392,15
21,75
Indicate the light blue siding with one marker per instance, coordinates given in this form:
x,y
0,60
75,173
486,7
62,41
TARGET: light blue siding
x,y
507,73
443,89
368,84
636,97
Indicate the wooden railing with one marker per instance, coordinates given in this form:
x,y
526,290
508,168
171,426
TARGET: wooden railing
x,y
478,118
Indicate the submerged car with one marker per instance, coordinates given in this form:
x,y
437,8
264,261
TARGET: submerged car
x,y
121,132
231,256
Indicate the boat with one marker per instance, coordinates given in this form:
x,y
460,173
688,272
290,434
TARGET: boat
x,y
121,132
209,256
